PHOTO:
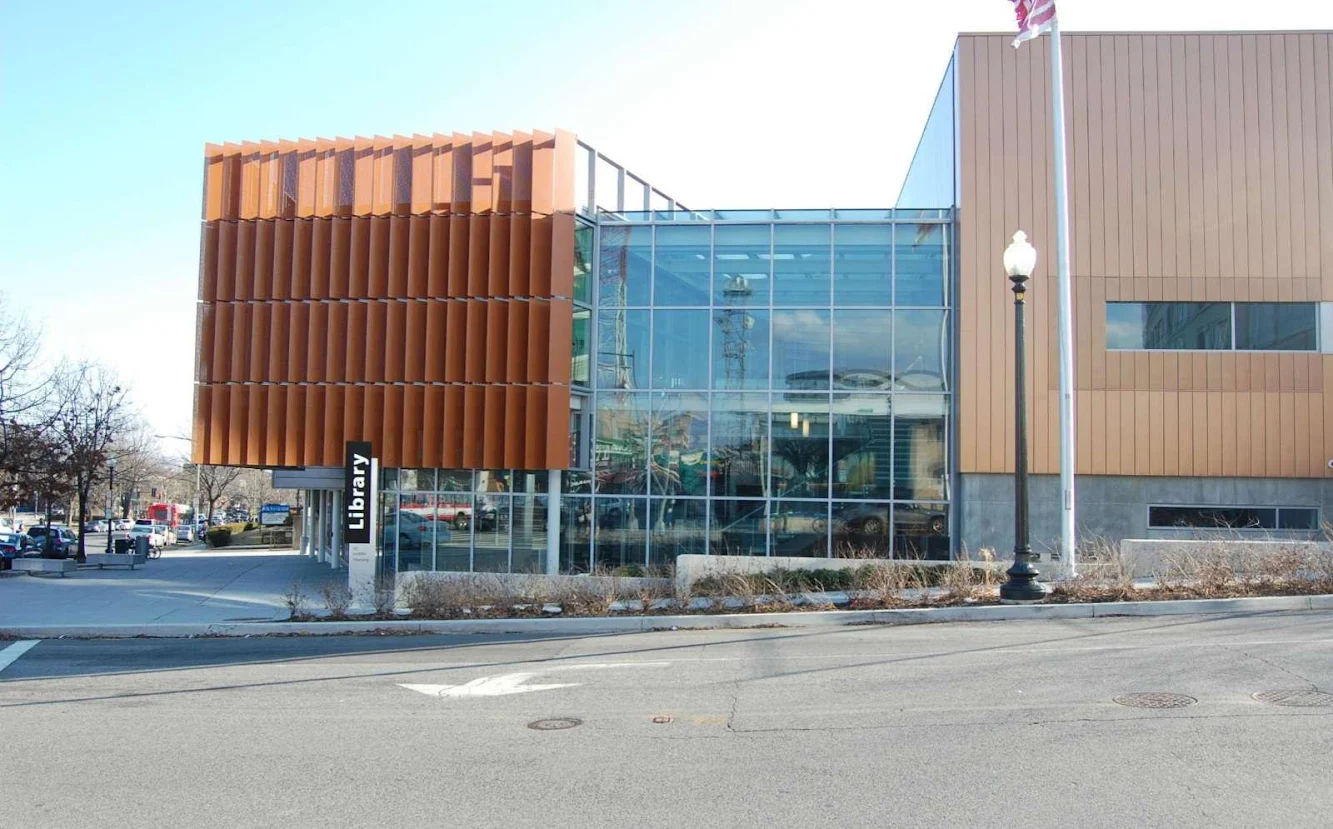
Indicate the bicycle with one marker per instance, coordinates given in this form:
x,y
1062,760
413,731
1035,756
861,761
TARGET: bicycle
x,y
154,552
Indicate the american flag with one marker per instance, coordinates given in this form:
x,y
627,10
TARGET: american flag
x,y
1034,18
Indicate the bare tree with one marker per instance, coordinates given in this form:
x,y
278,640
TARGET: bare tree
x,y
139,462
214,484
93,411
24,414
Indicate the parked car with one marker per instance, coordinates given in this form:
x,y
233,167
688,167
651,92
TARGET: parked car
x,y
873,519
62,540
95,527
152,531
12,546
184,534
122,525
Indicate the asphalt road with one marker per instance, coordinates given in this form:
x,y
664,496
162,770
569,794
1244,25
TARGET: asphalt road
x,y
998,724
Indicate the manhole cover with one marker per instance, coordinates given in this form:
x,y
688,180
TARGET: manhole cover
x,y
1300,698
1155,699
555,724
663,720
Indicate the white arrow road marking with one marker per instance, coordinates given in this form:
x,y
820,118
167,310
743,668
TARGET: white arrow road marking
x,y
498,686
11,654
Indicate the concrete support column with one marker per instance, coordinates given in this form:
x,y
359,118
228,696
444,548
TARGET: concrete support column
x,y
336,526
307,516
319,526
553,522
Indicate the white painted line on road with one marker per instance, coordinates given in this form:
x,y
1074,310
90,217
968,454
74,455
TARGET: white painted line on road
x,y
11,654
499,686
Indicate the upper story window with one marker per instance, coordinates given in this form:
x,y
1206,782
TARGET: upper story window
x,y
1212,326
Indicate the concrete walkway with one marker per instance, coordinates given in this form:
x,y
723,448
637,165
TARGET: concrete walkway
x,y
186,586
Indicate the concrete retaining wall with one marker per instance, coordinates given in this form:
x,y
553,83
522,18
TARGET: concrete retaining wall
x,y
1145,557
538,583
690,568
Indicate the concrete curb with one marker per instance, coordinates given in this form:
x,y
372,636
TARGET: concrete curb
x,y
593,625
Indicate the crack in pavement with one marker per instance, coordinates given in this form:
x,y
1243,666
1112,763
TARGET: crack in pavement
x,y
1270,664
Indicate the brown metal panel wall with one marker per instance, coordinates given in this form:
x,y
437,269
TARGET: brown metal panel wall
x,y
1195,175
292,228
557,428
199,443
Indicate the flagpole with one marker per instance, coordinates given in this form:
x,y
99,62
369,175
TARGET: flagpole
x,y
1066,300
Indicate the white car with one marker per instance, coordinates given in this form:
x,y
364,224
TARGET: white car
x,y
184,534
152,531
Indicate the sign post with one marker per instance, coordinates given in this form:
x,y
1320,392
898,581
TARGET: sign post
x,y
360,495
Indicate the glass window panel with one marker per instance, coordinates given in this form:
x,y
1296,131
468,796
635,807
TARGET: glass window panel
x,y
799,528
528,523
801,264
414,531
679,525
451,517
862,264
623,265
388,532
530,481
862,446
800,432
801,349
681,266
740,348
921,261
680,444
388,480
580,347
491,534
921,350
578,481
738,528
739,451
621,537
416,480
1298,518
493,480
621,453
607,185
920,460
1177,326
455,480
921,531
862,349
622,349
680,349
741,265
583,179
583,241
575,534
1213,518
862,529
1277,326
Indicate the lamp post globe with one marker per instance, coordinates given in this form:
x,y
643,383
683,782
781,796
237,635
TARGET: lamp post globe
x,y
1020,258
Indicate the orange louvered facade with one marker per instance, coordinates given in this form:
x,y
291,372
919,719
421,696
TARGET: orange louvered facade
x,y
413,292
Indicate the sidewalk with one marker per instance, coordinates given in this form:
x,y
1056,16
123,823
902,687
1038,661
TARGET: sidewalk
x,y
183,587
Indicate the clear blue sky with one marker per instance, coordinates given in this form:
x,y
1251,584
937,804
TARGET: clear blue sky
x,y
105,108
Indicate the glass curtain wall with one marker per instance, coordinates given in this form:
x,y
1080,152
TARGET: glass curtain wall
x,y
769,387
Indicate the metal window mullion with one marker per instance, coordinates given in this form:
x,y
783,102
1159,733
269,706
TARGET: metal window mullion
x,y
893,391
708,395
768,415
828,423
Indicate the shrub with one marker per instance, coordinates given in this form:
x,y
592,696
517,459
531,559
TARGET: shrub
x,y
337,598
218,536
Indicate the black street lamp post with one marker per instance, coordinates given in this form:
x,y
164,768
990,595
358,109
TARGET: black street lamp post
x,y
1020,258
110,500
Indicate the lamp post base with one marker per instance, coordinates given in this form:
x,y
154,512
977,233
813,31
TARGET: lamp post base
x,y
1022,586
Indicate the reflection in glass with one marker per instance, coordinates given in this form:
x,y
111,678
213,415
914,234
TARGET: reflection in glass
x,y
739,449
921,531
575,534
493,480
583,241
678,526
680,349
681,266
921,261
741,265
621,453
414,530
1277,326
455,480
621,537
738,528
920,465
387,522
862,262
799,528
624,265
801,264
861,529
862,349
578,357
799,426
740,348
680,444
862,447
921,350
801,349
529,533
491,534
622,349
452,516
1168,325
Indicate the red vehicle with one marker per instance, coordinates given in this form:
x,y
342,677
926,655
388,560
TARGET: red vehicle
x,y
169,515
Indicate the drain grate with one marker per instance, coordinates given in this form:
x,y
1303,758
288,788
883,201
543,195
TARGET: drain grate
x,y
1298,698
1154,699
555,724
